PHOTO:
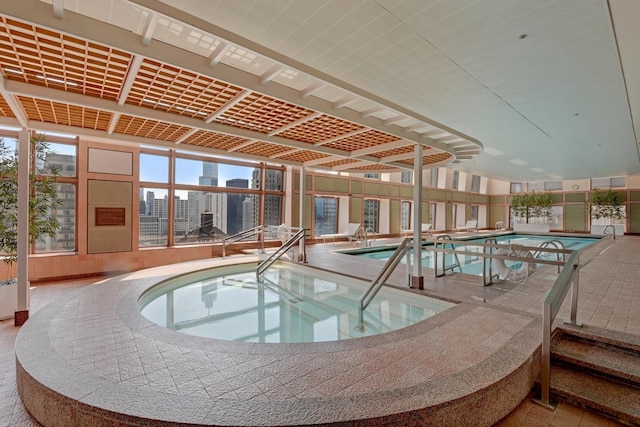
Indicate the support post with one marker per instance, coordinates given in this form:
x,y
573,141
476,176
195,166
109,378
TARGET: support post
x,y
417,279
24,158
302,255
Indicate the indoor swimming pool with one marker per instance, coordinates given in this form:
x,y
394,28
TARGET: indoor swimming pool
x,y
293,304
470,264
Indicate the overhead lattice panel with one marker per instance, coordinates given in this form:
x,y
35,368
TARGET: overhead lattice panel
x,y
136,126
264,149
304,156
394,152
166,88
64,114
367,139
215,140
46,58
5,110
321,129
262,113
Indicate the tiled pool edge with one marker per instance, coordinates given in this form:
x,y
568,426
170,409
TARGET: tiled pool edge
x,y
58,394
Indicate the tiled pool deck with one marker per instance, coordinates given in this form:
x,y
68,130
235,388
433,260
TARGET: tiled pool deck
x,y
89,356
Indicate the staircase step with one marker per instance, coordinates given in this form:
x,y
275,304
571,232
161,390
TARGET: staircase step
x,y
617,400
605,336
614,361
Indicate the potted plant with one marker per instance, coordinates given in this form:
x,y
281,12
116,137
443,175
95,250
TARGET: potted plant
x,y
532,211
606,208
42,202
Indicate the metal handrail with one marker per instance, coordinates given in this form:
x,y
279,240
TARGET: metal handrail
x,y
444,240
557,244
241,236
440,246
607,227
299,236
382,277
569,275
488,279
366,236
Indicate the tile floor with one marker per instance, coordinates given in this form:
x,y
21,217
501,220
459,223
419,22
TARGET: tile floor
x,y
609,293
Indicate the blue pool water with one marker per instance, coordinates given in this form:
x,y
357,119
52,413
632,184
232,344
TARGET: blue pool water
x,y
294,304
473,264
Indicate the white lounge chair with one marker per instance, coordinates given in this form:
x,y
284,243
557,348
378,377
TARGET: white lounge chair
x,y
354,232
471,225
425,229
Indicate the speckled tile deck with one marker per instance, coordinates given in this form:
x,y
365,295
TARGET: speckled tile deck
x,y
90,357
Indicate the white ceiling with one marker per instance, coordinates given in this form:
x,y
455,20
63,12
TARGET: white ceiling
x,y
558,103
555,100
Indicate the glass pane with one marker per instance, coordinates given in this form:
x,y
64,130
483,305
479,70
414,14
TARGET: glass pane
x,y
199,172
65,213
154,168
456,177
61,157
517,187
405,216
203,216
273,180
475,184
326,215
153,216
272,205
405,177
433,177
552,185
371,209
9,148
618,182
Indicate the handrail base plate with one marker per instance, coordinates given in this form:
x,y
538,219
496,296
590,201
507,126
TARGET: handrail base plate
x,y
548,405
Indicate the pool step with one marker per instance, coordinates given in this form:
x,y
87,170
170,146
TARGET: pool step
x,y
598,370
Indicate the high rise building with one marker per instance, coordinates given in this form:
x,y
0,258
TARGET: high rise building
x,y
209,174
234,206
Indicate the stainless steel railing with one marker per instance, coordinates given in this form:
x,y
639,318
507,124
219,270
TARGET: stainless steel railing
x,y
297,237
383,275
568,278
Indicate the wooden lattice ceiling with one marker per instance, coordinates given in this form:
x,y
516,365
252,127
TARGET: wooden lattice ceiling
x,y
54,78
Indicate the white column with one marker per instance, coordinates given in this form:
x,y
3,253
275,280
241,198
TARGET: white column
x,y
24,151
302,251
416,275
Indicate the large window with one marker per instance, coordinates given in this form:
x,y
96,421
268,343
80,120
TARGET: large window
x,y
326,215
63,158
616,182
211,198
475,184
433,177
154,208
455,180
371,214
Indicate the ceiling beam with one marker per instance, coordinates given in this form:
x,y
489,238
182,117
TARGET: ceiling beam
x,y
58,8
220,111
218,53
322,160
81,26
150,28
187,135
13,103
339,137
136,63
294,124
